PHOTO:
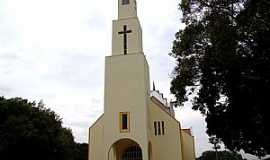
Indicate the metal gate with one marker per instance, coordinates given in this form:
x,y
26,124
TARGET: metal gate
x,y
132,153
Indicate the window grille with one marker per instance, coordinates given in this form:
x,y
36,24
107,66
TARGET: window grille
x,y
132,153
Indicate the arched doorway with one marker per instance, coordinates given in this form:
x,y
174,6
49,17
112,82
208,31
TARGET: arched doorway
x,y
125,149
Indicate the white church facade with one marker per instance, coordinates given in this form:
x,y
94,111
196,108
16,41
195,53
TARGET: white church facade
x,y
137,124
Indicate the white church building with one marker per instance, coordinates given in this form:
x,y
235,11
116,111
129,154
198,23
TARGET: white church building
x,y
137,124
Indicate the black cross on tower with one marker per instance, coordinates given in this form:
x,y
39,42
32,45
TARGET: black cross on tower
x,y
125,32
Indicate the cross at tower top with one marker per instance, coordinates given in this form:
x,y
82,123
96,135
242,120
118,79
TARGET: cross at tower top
x,y
127,32
127,9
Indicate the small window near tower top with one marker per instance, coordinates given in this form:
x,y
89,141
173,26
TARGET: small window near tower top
x,y
135,5
125,2
124,121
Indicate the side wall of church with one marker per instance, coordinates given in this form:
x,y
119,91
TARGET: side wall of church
x,y
167,146
96,140
188,146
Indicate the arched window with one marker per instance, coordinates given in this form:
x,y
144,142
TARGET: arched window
x,y
132,153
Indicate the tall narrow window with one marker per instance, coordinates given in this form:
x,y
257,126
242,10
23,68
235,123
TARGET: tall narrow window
x,y
155,126
124,121
124,2
163,130
159,130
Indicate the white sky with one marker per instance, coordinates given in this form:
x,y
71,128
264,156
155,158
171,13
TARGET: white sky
x,y
54,50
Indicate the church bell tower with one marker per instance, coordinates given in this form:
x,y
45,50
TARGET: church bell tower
x,y
127,8
127,32
126,86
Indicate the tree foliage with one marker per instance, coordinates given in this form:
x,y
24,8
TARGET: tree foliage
x,y
216,142
30,131
81,151
222,155
223,58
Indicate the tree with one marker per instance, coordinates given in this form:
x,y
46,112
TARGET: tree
x,y
81,151
224,155
223,58
216,142
30,131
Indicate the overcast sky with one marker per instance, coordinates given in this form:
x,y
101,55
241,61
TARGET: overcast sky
x,y
54,50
